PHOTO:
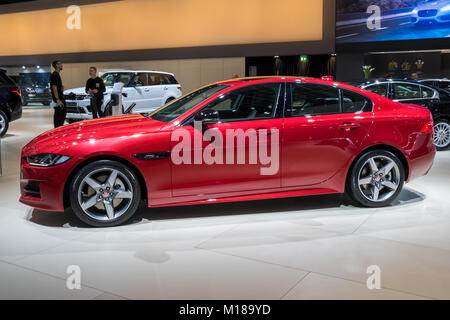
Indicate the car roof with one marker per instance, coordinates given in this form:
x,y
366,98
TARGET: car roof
x,y
135,71
265,79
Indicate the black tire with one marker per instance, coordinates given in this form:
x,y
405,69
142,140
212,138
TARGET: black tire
x,y
168,100
445,125
365,195
4,124
94,215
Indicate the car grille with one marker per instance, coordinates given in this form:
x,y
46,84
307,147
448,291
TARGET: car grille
x,y
73,96
427,13
72,109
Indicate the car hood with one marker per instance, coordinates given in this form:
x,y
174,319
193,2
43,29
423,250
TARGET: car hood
x,y
432,5
82,90
64,140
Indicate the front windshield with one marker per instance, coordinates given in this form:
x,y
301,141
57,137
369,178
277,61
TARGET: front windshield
x,y
111,78
186,103
23,81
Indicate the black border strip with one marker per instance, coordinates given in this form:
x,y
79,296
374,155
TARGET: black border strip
x,y
324,46
45,4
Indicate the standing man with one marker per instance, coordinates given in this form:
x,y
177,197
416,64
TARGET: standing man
x,y
95,87
57,94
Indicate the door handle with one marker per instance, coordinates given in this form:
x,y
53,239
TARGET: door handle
x,y
348,126
257,133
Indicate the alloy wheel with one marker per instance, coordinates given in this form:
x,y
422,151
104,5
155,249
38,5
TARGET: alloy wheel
x,y
2,123
105,194
379,178
442,134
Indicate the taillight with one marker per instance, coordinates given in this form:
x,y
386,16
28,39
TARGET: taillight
x,y
17,92
428,127
179,88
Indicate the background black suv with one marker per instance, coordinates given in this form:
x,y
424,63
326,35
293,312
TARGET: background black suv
x,y
436,99
10,102
32,92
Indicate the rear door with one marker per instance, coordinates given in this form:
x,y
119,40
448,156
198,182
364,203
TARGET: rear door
x,y
321,134
158,86
411,93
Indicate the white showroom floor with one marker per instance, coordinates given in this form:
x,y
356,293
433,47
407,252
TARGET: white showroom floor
x,y
298,248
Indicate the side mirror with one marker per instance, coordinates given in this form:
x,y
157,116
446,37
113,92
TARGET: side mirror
x,y
207,116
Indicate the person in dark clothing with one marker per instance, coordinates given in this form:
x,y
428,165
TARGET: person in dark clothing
x,y
95,87
57,89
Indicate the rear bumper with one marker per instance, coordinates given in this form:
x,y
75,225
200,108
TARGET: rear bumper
x,y
422,159
17,113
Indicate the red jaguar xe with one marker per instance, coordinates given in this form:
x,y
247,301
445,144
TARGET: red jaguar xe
x,y
235,140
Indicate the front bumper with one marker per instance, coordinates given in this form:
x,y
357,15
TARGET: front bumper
x,y
37,97
42,187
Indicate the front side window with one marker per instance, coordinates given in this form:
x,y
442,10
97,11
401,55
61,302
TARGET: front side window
x,y
254,102
111,78
381,89
140,79
354,102
427,93
182,105
314,99
405,91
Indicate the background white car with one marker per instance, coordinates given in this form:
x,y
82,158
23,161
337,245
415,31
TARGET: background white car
x,y
149,90
432,11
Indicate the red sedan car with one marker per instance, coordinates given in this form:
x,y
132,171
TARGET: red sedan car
x,y
241,139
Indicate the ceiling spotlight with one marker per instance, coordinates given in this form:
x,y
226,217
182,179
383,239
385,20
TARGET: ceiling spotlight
x,y
23,67
276,57
38,67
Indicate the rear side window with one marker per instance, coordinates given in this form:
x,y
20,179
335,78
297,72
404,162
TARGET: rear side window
x,y
171,79
427,92
444,85
405,91
381,89
354,102
5,80
314,99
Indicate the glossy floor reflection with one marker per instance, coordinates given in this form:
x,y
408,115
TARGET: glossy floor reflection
x,y
299,248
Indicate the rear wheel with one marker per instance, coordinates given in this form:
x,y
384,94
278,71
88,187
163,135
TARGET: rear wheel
x,y
376,179
168,100
4,123
442,134
105,193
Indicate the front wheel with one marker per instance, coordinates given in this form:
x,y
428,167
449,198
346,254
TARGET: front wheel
x,y
105,193
442,134
4,123
376,179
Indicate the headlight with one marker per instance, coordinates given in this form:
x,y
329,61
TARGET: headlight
x,y
446,8
47,160
30,90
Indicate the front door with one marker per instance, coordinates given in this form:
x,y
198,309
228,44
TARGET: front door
x,y
240,153
320,136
